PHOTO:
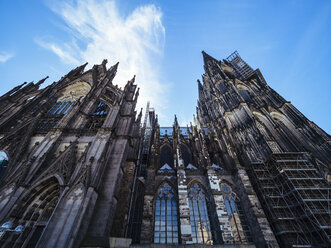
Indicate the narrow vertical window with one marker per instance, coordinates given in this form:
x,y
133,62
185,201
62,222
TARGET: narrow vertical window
x,y
54,115
3,163
166,156
97,118
239,225
166,220
201,231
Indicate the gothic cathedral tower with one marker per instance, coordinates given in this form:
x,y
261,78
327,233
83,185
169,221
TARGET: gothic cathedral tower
x,y
77,168
251,170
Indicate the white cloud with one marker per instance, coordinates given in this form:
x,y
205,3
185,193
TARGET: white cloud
x,y
136,41
5,56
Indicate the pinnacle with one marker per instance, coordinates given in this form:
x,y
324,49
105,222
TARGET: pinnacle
x,y
42,81
200,86
207,57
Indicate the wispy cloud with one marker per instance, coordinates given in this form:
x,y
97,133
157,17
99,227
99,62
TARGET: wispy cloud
x,y
5,56
136,41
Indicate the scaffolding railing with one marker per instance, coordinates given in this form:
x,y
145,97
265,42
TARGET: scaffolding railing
x,y
295,198
240,66
133,228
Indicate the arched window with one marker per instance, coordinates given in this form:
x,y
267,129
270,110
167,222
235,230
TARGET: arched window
x,y
54,115
201,231
3,163
67,98
166,220
186,155
166,156
97,118
238,223
60,108
245,94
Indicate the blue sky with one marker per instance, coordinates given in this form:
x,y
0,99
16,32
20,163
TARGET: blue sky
x,y
161,42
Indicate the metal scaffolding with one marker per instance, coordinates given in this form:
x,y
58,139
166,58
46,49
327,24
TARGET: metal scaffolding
x,y
295,198
241,67
137,196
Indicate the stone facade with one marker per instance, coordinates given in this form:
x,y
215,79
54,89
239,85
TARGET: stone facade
x,y
79,168
68,145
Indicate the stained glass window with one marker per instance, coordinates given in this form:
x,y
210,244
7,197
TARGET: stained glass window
x,y
166,220
54,115
60,108
201,231
97,118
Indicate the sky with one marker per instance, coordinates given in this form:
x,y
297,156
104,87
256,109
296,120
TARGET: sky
x,y
161,42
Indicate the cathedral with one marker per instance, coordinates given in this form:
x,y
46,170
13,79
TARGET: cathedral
x,y
81,167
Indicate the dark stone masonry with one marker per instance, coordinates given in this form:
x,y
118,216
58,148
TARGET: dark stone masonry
x,y
79,167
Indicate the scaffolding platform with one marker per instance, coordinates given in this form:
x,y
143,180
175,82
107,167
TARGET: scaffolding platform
x,y
296,199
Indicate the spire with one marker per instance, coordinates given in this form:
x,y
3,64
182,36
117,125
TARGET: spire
x,y
42,81
114,67
112,71
176,122
133,79
129,83
77,71
200,86
104,62
207,57
139,116
14,90
80,69
136,95
200,89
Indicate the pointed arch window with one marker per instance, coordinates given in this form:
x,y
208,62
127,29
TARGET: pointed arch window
x,y
97,118
166,219
201,231
238,222
245,94
54,115
186,155
166,156
60,108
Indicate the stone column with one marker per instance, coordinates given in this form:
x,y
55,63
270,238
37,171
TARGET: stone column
x,y
184,209
222,214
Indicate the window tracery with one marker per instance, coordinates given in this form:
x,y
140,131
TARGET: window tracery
x,y
238,222
201,230
67,97
166,220
97,118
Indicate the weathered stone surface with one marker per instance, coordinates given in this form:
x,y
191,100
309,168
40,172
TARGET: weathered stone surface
x,y
83,171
